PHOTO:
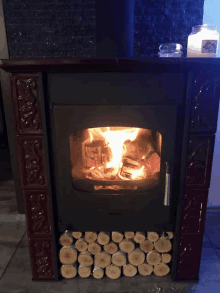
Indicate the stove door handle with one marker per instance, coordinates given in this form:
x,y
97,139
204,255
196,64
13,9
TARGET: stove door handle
x,y
167,186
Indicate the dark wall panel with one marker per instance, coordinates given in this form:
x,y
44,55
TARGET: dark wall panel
x,y
67,28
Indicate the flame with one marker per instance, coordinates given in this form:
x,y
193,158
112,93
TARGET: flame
x,y
115,139
111,153
137,173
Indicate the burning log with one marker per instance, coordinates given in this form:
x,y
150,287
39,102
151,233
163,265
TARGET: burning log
x,y
98,272
68,255
136,257
130,149
113,272
84,272
119,258
85,259
94,248
129,270
90,237
127,245
129,235
152,236
166,257
145,269
102,259
103,238
81,245
117,237
77,234
139,237
106,155
131,169
66,238
92,153
153,164
146,246
69,271
162,245
161,269
94,173
153,258
111,248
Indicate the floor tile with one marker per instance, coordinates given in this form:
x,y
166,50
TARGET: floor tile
x,y
6,252
209,275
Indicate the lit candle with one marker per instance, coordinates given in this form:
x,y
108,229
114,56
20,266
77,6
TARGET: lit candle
x,y
203,41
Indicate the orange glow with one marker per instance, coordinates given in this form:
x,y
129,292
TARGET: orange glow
x,y
119,153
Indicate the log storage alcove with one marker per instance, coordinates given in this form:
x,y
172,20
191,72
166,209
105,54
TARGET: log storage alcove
x,y
126,234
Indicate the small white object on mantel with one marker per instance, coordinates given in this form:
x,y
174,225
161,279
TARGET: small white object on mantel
x,y
203,41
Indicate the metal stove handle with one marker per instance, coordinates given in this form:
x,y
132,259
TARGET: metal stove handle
x,y
167,186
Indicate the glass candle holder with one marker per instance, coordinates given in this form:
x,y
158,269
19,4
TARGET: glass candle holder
x,y
170,50
203,41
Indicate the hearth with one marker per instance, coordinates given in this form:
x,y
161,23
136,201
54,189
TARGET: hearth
x,y
113,145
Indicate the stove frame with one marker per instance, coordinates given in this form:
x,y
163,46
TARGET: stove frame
x,y
29,141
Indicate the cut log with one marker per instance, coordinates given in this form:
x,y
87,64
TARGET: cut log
x,y
98,272
81,245
111,248
117,237
139,237
153,257
129,270
145,269
103,238
113,272
170,234
136,257
90,237
94,248
76,234
68,255
129,235
162,245
85,259
152,236
84,272
92,153
161,269
119,258
127,245
146,246
102,259
66,238
166,257
69,271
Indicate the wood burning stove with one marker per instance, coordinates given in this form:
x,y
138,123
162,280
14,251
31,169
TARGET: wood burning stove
x,y
95,167
68,116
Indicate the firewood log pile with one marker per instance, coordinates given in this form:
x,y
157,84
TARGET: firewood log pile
x,y
114,254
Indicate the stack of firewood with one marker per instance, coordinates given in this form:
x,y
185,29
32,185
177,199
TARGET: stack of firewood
x,y
114,253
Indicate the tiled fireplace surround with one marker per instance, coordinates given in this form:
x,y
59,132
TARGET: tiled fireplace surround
x,y
26,108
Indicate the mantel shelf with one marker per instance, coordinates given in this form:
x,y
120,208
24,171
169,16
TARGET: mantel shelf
x,y
67,64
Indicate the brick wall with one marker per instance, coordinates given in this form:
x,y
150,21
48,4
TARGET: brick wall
x,y
67,28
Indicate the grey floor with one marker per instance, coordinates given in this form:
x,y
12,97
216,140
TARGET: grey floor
x,y
15,271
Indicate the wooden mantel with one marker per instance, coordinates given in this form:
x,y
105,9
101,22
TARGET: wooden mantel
x,y
25,120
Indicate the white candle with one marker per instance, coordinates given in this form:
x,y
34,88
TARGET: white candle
x,y
203,42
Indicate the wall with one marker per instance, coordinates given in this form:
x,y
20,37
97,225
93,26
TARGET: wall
x,y
211,16
67,28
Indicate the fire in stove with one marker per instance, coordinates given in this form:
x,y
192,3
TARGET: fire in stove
x,y
119,154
